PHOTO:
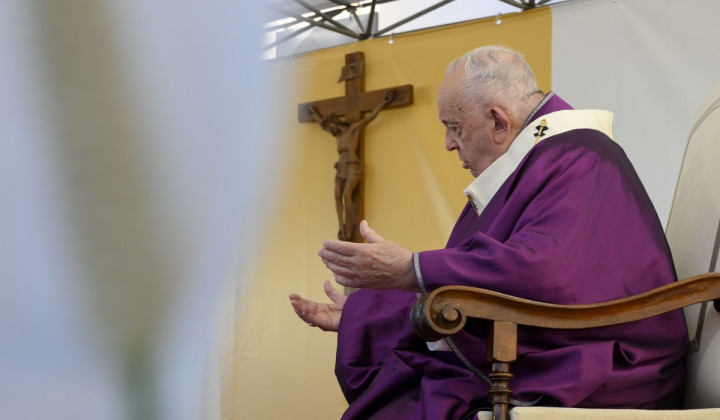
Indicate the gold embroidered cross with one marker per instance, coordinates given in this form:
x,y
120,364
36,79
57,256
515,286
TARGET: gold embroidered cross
x,y
540,128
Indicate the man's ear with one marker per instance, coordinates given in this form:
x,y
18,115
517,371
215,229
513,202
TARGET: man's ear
x,y
501,125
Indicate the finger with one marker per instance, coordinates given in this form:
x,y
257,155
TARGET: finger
x,y
301,312
340,247
344,281
334,294
338,263
370,235
300,308
296,299
330,291
339,270
314,320
304,306
331,256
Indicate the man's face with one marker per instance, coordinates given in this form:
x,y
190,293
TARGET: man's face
x,y
469,127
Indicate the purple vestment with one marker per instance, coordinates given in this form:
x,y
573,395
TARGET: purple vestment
x,y
573,224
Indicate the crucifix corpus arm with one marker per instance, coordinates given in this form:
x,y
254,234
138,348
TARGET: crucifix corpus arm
x,y
389,96
315,116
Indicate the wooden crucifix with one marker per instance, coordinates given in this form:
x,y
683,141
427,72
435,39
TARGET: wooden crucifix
x,y
344,118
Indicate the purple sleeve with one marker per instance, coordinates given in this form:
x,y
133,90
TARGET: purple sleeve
x,y
571,225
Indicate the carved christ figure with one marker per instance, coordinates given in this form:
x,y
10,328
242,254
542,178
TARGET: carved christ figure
x,y
349,167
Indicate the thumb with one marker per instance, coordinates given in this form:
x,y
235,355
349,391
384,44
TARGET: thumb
x,y
331,292
370,235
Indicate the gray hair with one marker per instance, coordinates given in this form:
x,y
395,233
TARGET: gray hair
x,y
496,74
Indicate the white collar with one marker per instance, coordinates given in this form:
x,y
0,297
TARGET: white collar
x,y
484,187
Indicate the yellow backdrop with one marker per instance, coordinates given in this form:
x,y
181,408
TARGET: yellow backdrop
x,y
276,366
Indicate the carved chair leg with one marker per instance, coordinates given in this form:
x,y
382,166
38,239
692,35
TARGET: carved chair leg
x,y
502,350
500,390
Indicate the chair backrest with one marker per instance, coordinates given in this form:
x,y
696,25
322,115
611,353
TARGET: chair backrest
x,y
693,232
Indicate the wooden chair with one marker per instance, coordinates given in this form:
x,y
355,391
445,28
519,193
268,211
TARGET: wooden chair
x,y
694,236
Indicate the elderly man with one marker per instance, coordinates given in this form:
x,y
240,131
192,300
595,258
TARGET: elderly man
x,y
556,214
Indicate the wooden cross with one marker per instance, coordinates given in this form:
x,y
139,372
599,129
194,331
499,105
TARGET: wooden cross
x,y
351,107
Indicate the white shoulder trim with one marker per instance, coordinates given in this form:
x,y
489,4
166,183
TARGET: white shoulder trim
x,y
484,187
559,122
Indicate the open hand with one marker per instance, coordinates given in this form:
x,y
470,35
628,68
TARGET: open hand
x,y
376,264
325,316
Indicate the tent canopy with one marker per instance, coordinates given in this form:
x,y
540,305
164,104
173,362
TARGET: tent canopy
x,y
297,26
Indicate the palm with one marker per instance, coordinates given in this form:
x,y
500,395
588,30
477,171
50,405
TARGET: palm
x,y
325,316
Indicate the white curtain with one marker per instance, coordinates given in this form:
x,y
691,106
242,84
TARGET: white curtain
x,y
133,173
652,63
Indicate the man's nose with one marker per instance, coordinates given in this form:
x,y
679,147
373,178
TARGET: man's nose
x,y
450,143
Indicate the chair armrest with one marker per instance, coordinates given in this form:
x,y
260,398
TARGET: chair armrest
x,y
444,311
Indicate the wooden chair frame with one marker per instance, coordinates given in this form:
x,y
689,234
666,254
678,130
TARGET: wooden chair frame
x,y
444,312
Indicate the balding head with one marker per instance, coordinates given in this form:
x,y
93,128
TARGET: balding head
x,y
483,102
495,75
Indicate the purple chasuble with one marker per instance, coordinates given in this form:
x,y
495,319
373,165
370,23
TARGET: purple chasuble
x,y
571,225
